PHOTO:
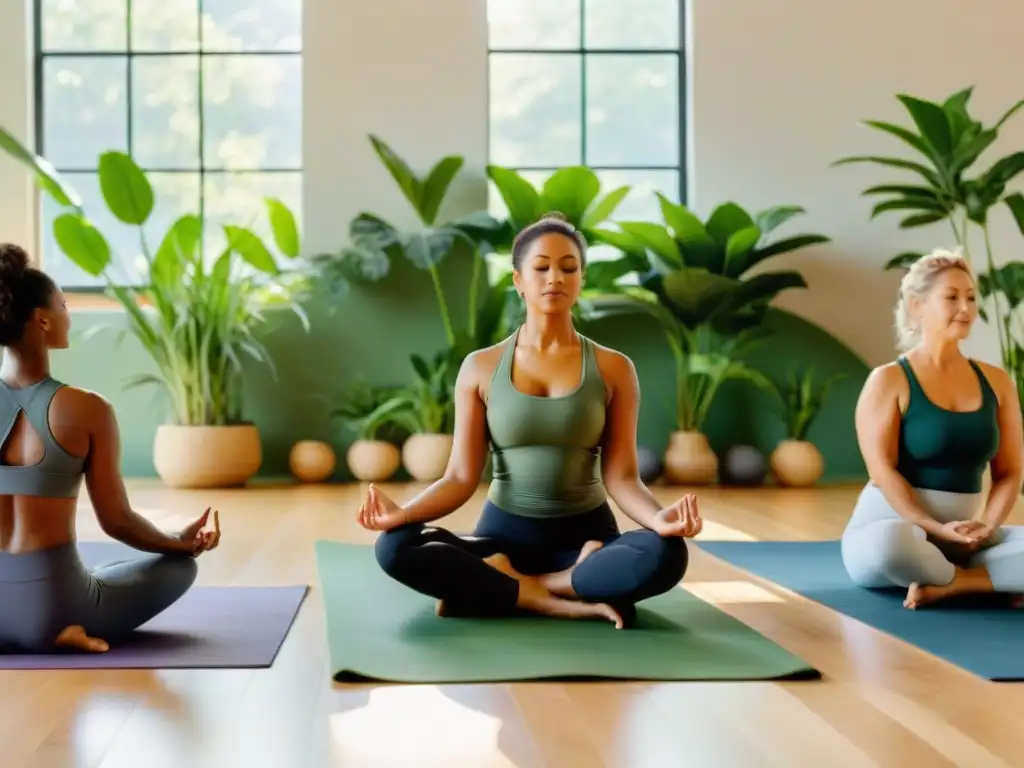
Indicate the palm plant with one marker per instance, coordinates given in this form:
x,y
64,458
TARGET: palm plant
x,y
360,409
944,187
196,321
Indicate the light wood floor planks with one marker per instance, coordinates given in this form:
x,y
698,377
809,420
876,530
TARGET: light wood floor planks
x,y
881,703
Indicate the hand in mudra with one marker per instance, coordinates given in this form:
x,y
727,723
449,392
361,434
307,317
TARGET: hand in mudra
x,y
679,519
198,538
378,512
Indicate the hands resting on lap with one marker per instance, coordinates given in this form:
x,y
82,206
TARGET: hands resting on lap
x,y
378,512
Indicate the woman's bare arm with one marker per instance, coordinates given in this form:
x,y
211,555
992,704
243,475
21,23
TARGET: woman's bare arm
x,y
106,486
878,423
469,450
1006,465
619,463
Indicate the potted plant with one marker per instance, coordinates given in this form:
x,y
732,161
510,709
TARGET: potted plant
x,y
796,462
370,412
197,319
704,361
426,410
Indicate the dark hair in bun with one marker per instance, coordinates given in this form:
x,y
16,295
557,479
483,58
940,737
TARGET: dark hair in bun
x,y
23,289
550,223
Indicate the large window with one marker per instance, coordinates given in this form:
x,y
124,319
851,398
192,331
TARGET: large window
x,y
595,83
206,95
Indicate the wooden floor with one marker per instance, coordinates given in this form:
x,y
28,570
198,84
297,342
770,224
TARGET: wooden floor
x,y
881,702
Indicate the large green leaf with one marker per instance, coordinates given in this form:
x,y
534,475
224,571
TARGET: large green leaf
x,y
745,263
895,162
658,240
180,247
772,218
521,199
435,188
428,248
126,190
248,245
283,227
1008,280
604,208
726,220
45,174
932,122
570,191
82,243
399,170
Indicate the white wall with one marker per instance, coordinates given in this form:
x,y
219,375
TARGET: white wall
x,y
413,73
777,91
17,203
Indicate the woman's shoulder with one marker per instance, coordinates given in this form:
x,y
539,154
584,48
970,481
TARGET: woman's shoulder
x,y
998,378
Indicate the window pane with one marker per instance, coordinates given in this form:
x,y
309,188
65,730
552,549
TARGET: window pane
x,y
633,109
237,198
535,109
252,25
252,112
165,25
165,111
641,204
633,24
533,24
84,25
85,109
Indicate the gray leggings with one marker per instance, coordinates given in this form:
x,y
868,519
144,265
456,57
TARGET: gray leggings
x,y
881,548
43,592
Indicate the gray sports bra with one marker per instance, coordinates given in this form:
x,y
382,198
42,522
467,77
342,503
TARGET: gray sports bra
x,y
58,475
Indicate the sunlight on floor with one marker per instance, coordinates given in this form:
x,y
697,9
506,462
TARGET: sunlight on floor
x,y
713,531
731,592
399,726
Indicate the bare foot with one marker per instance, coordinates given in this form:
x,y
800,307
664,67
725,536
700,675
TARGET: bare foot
x,y
560,582
75,637
535,597
965,581
920,595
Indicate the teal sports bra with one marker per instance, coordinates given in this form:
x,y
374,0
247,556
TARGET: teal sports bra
x,y
58,474
947,450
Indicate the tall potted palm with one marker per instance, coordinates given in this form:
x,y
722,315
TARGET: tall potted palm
x,y
198,319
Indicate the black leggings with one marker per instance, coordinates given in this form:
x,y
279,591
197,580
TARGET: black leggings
x,y
629,566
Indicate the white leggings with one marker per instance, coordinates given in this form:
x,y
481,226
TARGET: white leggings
x,y
881,548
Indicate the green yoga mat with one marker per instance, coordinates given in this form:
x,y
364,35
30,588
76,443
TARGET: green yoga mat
x,y
378,629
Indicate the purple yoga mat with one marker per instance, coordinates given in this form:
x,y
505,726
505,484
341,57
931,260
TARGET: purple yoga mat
x,y
208,628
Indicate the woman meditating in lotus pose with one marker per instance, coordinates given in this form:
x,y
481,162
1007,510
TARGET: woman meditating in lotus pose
x,y
928,425
53,435
560,415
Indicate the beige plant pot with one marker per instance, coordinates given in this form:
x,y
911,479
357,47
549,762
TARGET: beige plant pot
x,y
425,456
797,463
311,461
689,460
207,457
373,461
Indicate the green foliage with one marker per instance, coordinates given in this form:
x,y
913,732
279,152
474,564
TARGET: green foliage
x,y
374,242
697,268
947,142
705,360
197,321
361,408
427,404
802,399
574,192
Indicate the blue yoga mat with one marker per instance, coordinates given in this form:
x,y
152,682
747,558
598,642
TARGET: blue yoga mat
x,y
982,635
